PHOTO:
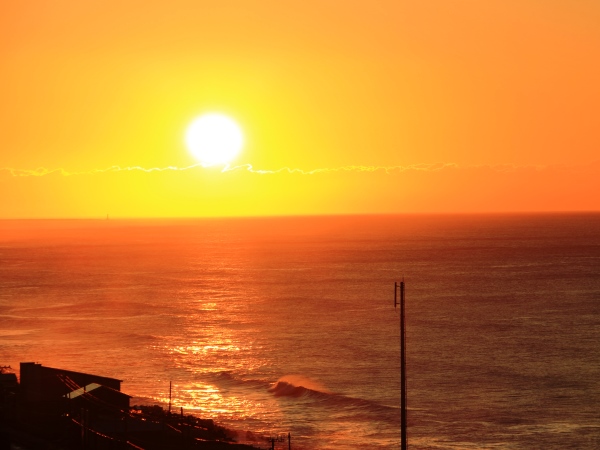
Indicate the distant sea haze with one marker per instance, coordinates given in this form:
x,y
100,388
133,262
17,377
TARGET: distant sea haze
x,y
277,325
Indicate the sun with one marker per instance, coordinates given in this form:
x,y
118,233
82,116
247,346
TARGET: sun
x,y
214,139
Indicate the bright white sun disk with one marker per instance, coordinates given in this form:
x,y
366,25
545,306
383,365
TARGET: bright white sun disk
x,y
214,139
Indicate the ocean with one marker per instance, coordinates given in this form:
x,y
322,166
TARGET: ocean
x,y
287,324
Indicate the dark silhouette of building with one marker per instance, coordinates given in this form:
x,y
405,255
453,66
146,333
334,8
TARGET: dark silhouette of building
x,y
63,409
45,385
9,387
52,402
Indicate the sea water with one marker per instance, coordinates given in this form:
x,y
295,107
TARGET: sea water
x,y
287,324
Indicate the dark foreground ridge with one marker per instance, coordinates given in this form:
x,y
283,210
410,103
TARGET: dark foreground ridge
x,y
56,409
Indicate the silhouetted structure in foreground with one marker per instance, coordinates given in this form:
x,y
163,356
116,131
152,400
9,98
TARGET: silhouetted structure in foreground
x,y
56,409
49,392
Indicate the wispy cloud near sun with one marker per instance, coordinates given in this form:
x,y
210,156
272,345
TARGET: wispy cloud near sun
x,y
173,191
422,167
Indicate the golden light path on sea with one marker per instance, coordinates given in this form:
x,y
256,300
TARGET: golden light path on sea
x,y
207,360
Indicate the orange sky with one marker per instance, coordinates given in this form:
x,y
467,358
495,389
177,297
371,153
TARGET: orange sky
x,y
347,106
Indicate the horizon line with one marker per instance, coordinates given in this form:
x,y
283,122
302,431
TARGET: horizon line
x,y
348,214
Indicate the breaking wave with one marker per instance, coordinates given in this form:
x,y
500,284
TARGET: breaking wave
x,y
313,394
284,389
306,389
298,386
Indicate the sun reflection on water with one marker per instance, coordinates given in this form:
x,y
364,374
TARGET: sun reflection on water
x,y
221,363
208,348
208,400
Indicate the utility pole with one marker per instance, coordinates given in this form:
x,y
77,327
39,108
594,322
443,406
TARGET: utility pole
x,y
399,289
170,398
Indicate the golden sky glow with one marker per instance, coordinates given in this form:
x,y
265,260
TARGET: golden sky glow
x,y
346,106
